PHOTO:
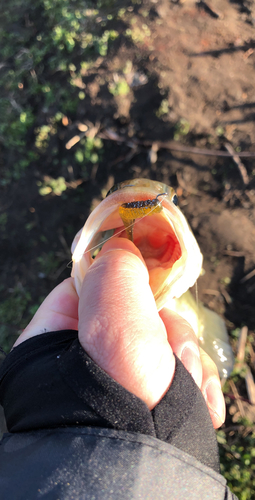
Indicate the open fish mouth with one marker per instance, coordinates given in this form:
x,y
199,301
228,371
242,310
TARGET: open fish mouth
x,y
164,239
146,212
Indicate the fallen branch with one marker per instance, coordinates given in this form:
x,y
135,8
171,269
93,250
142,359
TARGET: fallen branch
x,y
209,291
236,158
241,344
234,253
208,9
248,276
238,399
225,295
250,385
171,145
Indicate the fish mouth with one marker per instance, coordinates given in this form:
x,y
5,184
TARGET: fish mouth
x,y
168,248
164,240
160,248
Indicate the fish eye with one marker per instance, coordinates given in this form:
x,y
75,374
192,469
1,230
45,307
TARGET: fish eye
x,y
175,199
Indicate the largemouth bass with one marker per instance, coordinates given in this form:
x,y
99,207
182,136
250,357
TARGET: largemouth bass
x,y
146,212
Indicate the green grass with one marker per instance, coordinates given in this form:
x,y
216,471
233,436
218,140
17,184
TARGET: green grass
x,y
47,46
237,455
12,311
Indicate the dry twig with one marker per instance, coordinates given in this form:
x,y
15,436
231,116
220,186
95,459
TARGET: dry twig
x,y
171,145
237,397
241,344
236,158
208,9
73,141
250,385
234,253
153,153
226,295
210,291
248,276
252,355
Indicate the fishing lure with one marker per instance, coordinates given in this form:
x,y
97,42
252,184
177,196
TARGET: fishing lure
x,y
137,209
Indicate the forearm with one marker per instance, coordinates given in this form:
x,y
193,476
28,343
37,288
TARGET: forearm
x,y
49,381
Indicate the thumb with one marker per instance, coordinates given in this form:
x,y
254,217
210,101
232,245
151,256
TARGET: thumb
x,y
119,326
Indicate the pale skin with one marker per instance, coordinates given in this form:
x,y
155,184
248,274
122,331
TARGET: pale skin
x,y
121,330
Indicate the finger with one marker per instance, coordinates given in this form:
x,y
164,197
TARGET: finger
x,y
119,325
197,362
59,311
211,389
184,343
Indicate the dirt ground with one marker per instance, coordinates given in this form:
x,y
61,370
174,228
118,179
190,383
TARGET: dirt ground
x,y
191,79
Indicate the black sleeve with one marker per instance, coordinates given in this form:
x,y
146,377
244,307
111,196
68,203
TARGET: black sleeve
x,y
50,381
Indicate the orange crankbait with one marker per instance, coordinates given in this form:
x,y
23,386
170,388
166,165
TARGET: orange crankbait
x,y
137,209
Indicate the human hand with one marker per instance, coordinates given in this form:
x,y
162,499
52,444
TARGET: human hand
x,y
121,330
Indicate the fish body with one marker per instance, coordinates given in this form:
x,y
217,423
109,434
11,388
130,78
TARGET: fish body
x,y
138,210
